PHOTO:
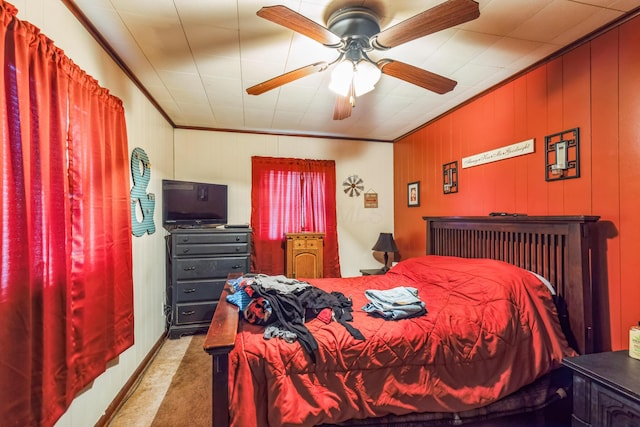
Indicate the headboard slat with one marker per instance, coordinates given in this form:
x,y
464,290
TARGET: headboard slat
x,y
556,247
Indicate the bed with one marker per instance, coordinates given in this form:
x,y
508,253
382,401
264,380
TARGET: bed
x,y
482,341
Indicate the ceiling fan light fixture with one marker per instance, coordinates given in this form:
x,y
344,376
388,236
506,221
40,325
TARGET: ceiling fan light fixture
x,y
341,77
366,76
354,31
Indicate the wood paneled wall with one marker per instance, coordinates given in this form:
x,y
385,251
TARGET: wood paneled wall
x,y
595,87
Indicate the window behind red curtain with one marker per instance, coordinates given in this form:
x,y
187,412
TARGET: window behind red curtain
x,y
66,288
292,196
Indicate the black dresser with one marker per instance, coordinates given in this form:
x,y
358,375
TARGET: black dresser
x,y
606,389
199,260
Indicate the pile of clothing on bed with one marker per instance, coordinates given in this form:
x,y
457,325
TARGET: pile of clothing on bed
x,y
284,305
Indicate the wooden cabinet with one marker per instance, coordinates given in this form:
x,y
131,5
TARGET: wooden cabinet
x,y
198,263
606,389
304,255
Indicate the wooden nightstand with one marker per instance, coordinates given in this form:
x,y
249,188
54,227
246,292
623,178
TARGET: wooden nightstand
x,y
372,271
606,389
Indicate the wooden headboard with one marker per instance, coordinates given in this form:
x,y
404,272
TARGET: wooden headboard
x,y
558,248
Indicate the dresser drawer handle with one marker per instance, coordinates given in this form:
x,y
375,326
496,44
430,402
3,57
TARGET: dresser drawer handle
x,y
188,313
189,291
235,267
237,238
185,251
185,239
193,267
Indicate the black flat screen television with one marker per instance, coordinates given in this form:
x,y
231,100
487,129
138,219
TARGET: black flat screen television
x,y
193,204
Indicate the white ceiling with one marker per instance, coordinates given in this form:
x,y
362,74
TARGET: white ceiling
x,y
196,58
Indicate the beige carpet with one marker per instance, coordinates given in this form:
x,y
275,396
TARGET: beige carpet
x,y
188,399
174,391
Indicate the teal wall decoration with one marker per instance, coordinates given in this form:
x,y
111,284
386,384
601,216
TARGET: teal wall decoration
x,y
139,196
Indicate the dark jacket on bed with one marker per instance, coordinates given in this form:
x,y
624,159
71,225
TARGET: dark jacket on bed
x,y
293,309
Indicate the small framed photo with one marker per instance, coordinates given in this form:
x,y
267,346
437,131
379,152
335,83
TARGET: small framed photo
x,y
413,194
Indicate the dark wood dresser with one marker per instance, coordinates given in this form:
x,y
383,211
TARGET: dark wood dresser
x,y
606,389
199,260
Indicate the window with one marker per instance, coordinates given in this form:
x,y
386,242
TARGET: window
x,y
292,196
66,288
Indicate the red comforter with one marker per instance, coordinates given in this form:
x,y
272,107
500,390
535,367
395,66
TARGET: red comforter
x,y
490,329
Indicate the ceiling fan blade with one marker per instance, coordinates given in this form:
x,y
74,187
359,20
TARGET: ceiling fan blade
x,y
440,17
342,108
285,78
291,19
417,76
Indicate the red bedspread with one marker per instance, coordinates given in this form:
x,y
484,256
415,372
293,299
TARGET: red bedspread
x,y
490,329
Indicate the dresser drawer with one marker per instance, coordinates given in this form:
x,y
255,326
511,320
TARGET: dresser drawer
x,y
199,238
195,313
611,409
581,399
306,244
606,389
208,268
199,290
192,249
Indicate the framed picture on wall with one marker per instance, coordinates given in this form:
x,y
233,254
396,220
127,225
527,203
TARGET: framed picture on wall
x,y
413,194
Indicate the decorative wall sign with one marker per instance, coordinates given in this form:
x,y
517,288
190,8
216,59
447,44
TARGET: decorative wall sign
x,y
450,177
370,199
413,194
563,155
514,150
139,196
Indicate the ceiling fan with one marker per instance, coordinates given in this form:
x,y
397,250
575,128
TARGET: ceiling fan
x,y
353,32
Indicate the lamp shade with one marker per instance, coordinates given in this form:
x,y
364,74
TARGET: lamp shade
x,y
365,77
385,243
341,78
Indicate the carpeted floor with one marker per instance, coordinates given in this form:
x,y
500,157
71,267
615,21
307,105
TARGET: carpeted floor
x,y
174,391
188,399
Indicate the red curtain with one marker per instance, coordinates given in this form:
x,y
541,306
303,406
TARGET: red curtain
x,y
292,196
66,288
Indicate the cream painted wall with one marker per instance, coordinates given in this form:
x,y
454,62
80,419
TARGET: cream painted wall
x,y
146,129
225,158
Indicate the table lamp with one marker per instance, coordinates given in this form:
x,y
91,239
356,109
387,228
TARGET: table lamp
x,y
385,244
